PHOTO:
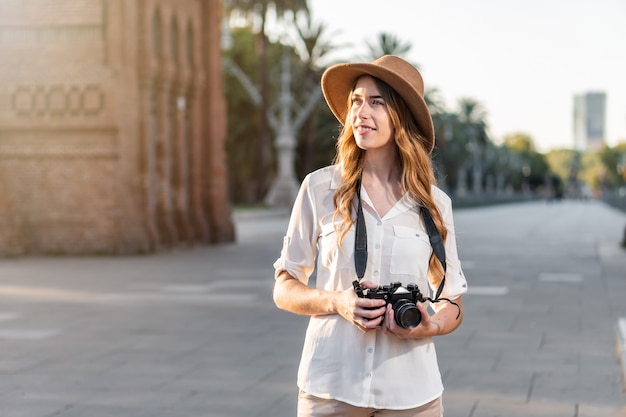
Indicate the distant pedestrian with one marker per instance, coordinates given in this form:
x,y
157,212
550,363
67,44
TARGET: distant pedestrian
x,y
363,224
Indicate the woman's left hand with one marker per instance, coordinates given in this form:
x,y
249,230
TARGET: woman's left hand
x,y
426,328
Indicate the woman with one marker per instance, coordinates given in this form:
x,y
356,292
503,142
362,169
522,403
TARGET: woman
x,y
357,360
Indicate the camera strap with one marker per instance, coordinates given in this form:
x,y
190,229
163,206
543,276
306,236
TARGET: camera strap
x,y
360,245
360,239
436,242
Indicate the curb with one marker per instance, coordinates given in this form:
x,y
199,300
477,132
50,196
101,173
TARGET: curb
x,y
260,213
621,346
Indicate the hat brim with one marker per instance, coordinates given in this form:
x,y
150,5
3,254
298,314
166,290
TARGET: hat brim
x,y
337,82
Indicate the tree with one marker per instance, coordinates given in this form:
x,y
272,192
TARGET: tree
x,y
559,161
613,161
592,170
520,143
311,43
450,151
387,44
312,47
535,169
472,117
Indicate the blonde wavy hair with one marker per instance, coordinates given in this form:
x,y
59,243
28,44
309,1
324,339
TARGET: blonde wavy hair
x,y
418,175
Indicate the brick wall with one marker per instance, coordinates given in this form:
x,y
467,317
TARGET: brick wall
x,y
100,133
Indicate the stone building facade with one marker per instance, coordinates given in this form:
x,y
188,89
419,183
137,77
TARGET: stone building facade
x,y
112,126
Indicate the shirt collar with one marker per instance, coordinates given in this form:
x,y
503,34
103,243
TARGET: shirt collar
x,y
335,179
402,206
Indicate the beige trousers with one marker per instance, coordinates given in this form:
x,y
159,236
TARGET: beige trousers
x,y
311,406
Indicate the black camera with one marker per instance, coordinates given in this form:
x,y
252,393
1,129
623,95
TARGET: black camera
x,y
402,300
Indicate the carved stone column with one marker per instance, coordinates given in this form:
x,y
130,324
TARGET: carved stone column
x,y
180,165
165,211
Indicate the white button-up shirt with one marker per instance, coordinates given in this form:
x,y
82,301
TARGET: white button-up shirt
x,y
339,361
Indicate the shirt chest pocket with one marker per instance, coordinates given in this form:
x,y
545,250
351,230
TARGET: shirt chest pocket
x,y
331,255
410,251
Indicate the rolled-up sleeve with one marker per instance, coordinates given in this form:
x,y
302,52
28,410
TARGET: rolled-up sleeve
x,y
456,284
298,253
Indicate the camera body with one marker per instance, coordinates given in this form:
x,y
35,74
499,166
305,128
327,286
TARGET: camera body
x,y
402,299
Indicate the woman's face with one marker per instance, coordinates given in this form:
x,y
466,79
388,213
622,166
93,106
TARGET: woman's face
x,y
370,120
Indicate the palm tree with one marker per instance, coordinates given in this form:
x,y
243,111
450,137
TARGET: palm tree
x,y
450,152
388,44
472,112
312,46
473,117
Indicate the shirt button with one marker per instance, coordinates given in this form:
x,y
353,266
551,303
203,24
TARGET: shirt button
x,y
379,223
377,246
369,375
370,350
376,273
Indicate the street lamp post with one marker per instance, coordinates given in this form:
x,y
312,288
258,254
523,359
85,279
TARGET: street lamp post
x,y
285,187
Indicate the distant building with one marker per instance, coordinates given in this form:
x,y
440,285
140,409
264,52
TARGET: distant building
x,y
112,126
589,121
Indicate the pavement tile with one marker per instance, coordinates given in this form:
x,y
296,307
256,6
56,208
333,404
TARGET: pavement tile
x,y
194,332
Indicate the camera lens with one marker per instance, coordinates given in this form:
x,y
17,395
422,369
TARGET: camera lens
x,y
407,314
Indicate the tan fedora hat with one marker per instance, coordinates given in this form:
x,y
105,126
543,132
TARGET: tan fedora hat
x,y
404,78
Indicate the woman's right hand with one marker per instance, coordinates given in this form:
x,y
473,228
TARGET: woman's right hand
x,y
292,295
367,314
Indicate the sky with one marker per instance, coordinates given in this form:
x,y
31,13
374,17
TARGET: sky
x,y
523,61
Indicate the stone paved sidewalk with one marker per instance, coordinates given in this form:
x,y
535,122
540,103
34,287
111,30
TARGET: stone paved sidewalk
x,y
194,332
